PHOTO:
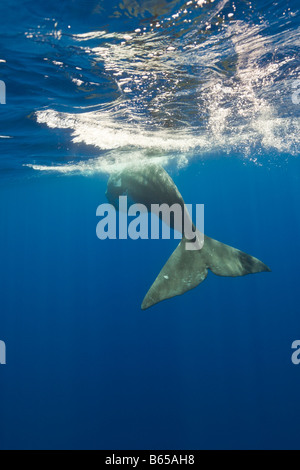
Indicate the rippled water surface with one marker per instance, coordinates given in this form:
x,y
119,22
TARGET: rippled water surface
x,y
133,80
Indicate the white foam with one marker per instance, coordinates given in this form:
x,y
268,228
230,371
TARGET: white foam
x,y
100,130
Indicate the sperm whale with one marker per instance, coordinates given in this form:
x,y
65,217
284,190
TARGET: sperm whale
x,y
185,269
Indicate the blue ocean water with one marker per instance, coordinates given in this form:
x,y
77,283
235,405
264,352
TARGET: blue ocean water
x,y
209,90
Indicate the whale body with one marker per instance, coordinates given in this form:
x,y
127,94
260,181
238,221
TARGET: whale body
x,y
185,269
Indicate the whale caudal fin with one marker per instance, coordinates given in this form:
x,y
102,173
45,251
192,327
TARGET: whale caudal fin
x,y
186,269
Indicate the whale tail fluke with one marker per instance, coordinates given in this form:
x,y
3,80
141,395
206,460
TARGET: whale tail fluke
x,y
186,269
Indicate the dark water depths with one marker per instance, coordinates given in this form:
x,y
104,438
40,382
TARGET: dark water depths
x,y
206,89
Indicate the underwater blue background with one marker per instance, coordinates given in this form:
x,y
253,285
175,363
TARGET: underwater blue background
x,y
86,367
